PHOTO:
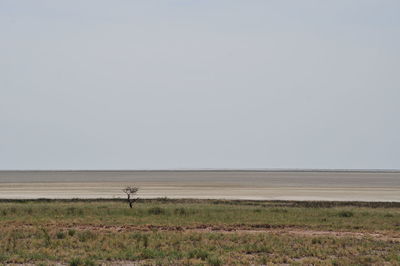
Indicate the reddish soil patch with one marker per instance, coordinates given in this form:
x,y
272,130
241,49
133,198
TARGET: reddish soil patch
x,y
238,228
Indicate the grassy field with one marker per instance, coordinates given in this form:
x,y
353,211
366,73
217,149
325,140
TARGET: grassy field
x,y
198,232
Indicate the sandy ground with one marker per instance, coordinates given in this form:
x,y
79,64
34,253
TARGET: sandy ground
x,y
260,185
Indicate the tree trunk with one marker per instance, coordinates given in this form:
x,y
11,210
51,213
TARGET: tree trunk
x,y
129,200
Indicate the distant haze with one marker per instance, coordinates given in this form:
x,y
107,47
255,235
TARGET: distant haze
x,y
199,84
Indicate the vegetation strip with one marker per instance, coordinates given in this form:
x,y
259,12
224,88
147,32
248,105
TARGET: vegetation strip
x,y
171,232
276,203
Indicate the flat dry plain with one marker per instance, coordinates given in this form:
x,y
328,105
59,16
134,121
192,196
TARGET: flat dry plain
x,y
252,185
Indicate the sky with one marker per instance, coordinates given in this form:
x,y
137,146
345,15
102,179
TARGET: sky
x,y
182,84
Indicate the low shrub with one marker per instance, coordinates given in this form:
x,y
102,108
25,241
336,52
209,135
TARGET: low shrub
x,y
198,254
71,232
60,235
279,210
181,211
345,214
75,262
80,262
214,261
156,211
86,235
149,253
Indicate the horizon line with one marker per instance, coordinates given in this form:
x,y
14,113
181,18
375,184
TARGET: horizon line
x,y
210,170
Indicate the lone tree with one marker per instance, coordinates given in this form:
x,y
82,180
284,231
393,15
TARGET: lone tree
x,y
130,191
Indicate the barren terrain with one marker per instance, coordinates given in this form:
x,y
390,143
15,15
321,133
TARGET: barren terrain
x,y
258,185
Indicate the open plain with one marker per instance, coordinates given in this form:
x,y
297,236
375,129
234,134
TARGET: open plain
x,y
217,218
251,185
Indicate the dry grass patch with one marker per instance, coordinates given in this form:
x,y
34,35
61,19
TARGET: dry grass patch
x,y
173,232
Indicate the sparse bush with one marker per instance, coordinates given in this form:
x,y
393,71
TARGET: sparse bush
x,y
3,257
71,210
195,237
89,262
163,199
149,253
316,241
263,260
198,254
156,211
46,237
214,261
86,235
60,235
279,210
71,232
80,262
144,238
345,214
75,262
184,211
255,248
181,211
136,236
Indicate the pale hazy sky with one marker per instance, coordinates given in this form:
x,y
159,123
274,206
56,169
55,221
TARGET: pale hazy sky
x,y
199,84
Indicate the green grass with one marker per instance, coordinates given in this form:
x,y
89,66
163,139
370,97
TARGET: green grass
x,y
153,232
189,214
